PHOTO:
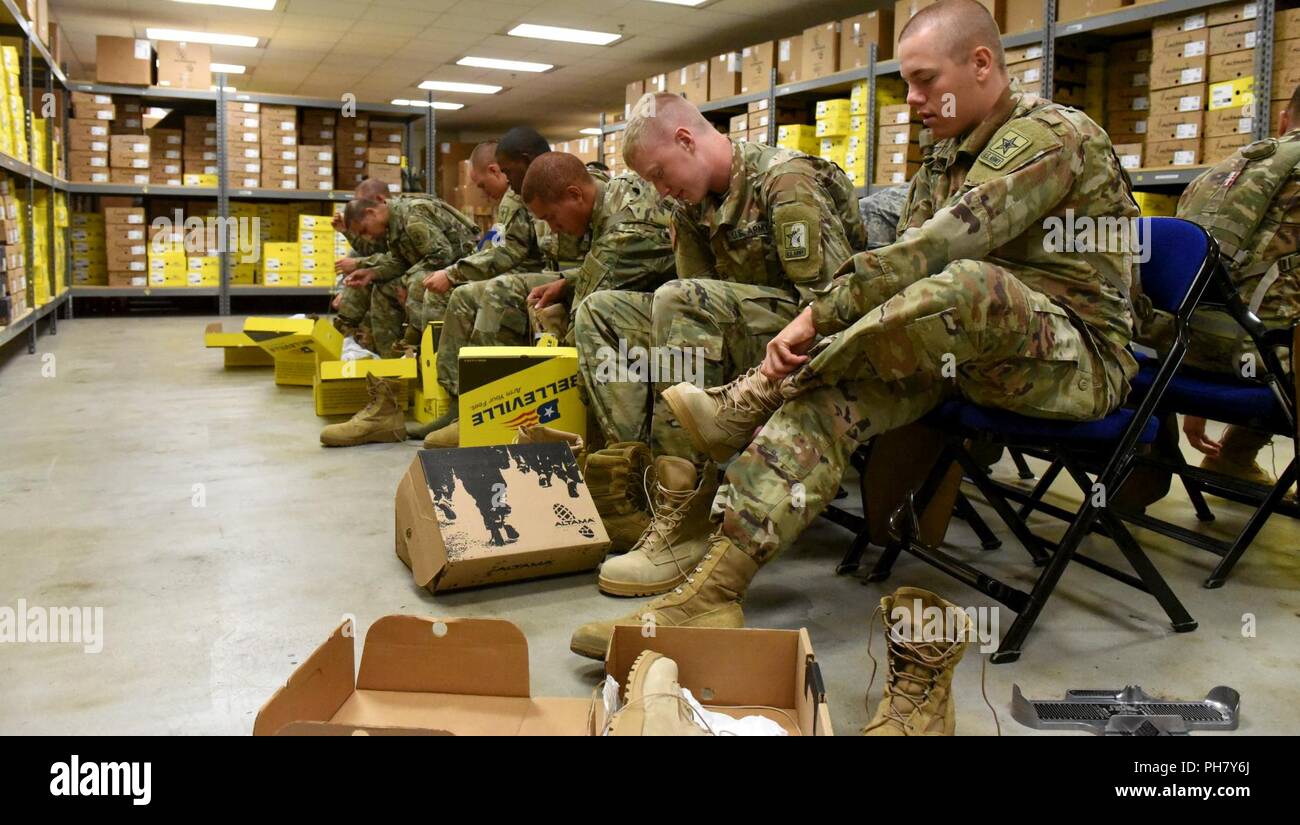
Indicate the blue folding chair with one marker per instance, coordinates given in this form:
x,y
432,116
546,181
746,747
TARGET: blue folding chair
x,y
1098,456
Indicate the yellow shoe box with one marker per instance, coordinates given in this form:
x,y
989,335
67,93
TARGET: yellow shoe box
x,y
505,388
297,344
240,350
431,400
203,271
339,387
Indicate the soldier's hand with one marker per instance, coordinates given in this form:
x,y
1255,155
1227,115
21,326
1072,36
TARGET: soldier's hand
x,y
337,222
336,301
438,282
402,294
360,278
1194,428
785,352
345,266
547,294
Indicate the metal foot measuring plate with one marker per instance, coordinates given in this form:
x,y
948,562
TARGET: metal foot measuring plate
x,y
1128,712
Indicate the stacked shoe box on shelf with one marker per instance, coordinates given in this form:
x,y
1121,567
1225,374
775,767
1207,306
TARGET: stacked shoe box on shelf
x,y
614,153
166,157
384,157
760,118
1286,66
15,274
126,241
246,272
832,127
279,138
39,258
199,151
13,124
166,255
898,145
281,265
89,253
89,137
128,159
316,167
59,254
1179,74
1231,48
1128,98
352,148
243,144
317,250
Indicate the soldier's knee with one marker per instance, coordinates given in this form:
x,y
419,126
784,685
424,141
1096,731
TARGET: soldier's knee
x,y
676,298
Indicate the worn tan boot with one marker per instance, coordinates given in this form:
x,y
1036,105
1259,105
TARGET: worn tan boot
x,y
1240,447
382,420
615,478
675,539
721,421
653,701
710,597
917,699
546,435
445,438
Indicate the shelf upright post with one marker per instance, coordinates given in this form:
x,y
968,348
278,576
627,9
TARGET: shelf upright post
x,y
771,108
872,135
1264,23
29,251
600,139
1049,48
430,147
223,201
53,274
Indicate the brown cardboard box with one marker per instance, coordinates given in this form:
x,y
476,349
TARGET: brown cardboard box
x,y
387,154
386,173
280,182
656,84
465,677
895,175
1223,15
789,60
245,107
238,122
1215,149
758,135
1173,152
1181,44
1137,50
94,160
903,11
167,168
1127,121
1285,81
857,33
102,112
756,64
123,60
134,177
1129,154
1231,66
1178,126
899,134
724,76
1185,71
1178,99
1023,16
278,170
1067,10
199,124
1286,53
1232,37
897,115
248,182
315,154
88,135
740,123
1238,120
242,151
81,172
128,152
184,65
199,154
389,134
631,95
695,82
139,278
898,154
241,167
169,138
821,51
199,167
555,532
1182,23
1286,24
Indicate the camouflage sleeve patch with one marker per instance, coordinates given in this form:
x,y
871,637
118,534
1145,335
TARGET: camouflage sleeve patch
x,y
797,227
1018,143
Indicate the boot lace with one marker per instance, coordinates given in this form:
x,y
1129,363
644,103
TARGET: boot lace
x,y
752,393
670,508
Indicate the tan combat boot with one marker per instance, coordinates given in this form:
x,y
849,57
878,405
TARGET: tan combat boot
x,y
444,438
917,699
537,434
382,420
653,701
721,421
675,539
710,597
615,478
1240,446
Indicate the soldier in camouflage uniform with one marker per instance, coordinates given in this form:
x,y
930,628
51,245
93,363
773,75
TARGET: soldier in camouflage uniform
x,y
422,235
351,304
757,229
629,249
972,301
1250,203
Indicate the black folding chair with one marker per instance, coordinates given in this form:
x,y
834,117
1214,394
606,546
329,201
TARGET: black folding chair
x,y
1097,455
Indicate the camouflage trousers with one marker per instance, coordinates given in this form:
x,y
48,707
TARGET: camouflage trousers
x,y
457,330
423,306
383,305
720,329
974,330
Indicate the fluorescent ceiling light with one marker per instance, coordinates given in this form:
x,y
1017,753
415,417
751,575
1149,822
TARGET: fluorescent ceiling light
x,y
437,104
228,68
201,37
507,65
563,35
466,88
256,5
594,130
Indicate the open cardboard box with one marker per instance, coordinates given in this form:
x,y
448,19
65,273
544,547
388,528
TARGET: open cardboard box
x,y
339,387
505,388
431,400
239,349
298,345
470,677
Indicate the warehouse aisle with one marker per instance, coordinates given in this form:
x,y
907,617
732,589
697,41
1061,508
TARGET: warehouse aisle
x,y
195,506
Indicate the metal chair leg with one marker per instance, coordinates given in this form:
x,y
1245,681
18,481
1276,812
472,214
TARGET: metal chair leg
x,y
967,513
1022,467
1252,528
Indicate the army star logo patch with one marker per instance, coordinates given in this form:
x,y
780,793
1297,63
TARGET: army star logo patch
x,y
794,240
1003,149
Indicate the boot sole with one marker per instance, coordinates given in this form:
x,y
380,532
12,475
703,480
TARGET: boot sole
x,y
681,411
390,437
632,717
631,589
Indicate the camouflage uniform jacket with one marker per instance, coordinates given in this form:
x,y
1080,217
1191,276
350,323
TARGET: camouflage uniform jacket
x,y
510,246
1007,193
630,246
787,221
424,235
368,250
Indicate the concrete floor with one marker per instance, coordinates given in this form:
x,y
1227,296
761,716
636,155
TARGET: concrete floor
x,y
208,609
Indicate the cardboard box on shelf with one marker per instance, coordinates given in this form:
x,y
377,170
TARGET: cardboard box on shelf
x,y
857,33
1232,37
757,135
694,82
789,60
1177,126
384,154
1215,149
278,120
1129,154
123,60
1231,66
1285,81
1231,93
1178,99
1286,24
184,65
129,151
724,76
387,133
1237,120
1173,152
522,512
656,84
131,278
895,175
134,177
1226,14
1182,23
756,63
1182,71
1068,10
1023,16
821,51
631,95
391,175
1174,45
900,134
898,154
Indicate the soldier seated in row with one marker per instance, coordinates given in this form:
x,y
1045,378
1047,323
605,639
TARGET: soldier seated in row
x,y
972,300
